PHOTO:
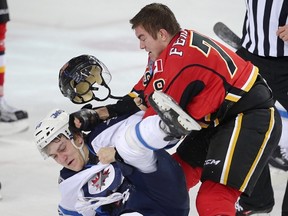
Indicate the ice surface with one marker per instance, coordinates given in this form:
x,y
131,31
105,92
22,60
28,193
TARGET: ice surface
x,y
41,37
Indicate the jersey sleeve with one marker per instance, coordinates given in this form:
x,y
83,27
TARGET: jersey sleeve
x,y
123,106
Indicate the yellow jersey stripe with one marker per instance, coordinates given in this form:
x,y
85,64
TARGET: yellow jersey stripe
x,y
267,135
2,69
133,94
232,97
251,80
231,149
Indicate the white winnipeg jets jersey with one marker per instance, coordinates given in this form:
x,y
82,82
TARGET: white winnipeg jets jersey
x,y
96,181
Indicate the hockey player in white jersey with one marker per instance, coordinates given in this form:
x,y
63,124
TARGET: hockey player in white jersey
x,y
143,177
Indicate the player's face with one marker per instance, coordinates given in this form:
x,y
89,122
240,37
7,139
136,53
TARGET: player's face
x,y
64,153
154,47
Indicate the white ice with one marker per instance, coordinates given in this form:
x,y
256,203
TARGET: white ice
x,y
44,34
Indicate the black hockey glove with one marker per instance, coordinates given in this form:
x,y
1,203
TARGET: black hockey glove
x,y
88,118
87,106
126,105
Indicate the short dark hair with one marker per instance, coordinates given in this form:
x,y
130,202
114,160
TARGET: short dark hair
x,y
154,17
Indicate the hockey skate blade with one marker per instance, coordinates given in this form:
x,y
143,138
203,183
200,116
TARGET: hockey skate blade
x,y
165,103
10,128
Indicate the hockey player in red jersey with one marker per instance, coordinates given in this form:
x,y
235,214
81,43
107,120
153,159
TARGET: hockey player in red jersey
x,y
223,93
12,120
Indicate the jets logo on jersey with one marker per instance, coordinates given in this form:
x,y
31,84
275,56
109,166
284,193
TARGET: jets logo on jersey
x,y
100,179
103,182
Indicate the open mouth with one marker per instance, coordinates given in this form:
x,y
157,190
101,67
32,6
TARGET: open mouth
x,y
70,162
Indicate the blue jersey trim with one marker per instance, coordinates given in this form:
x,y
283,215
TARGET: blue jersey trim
x,y
68,212
283,114
140,138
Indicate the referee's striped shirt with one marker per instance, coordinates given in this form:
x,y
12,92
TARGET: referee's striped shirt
x,y
260,25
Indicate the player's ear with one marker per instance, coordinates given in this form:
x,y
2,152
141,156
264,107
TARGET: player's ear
x,y
163,34
78,139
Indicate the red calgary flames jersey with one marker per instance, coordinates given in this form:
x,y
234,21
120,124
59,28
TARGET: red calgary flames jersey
x,y
191,60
